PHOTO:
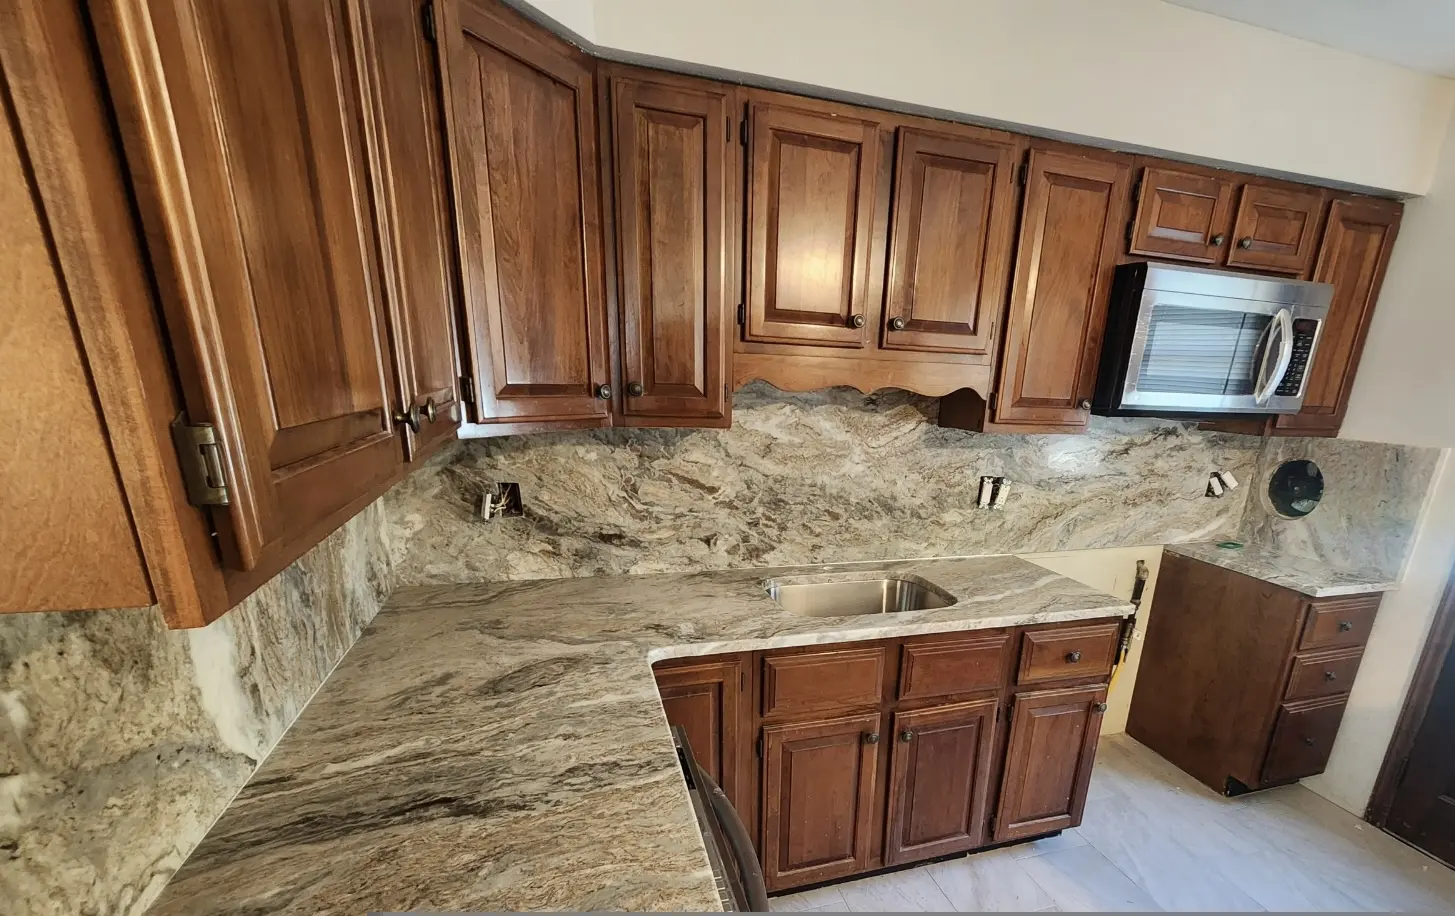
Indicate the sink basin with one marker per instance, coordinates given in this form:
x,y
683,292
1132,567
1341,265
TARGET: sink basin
x,y
852,597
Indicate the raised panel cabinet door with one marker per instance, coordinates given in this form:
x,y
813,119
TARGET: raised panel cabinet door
x,y
810,221
522,130
706,700
406,147
1065,259
819,781
1182,215
954,219
1276,228
676,200
939,780
243,124
1048,762
1353,257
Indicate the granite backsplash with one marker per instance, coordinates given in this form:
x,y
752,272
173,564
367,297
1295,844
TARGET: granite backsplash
x,y
122,741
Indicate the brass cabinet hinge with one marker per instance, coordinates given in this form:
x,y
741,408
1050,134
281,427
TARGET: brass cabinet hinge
x,y
758,747
426,21
200,453
467,389
1021,174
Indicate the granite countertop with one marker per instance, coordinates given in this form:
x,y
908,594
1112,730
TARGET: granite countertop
x,y
502,746
1317,580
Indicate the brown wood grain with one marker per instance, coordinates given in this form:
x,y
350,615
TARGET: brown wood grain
x,y
677,201
1183,215
706,697
939,779
1277,227
1321,674
1337,622
1053,736
943,666
1303,737
797,682
1068,652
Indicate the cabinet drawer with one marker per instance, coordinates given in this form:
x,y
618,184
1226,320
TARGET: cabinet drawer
x,y
1323,674
1339,622
817,681
940,667
1068,652
1302,739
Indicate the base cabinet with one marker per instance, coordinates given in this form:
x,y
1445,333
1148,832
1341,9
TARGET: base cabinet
x,y
939,780
1048,763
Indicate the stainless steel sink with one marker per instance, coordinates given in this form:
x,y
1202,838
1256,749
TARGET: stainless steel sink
x,y
852,597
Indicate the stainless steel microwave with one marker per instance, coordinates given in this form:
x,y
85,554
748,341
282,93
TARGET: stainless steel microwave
x,y
1191,341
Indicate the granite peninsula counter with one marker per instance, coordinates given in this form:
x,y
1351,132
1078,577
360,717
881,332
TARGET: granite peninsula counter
x,y
502,746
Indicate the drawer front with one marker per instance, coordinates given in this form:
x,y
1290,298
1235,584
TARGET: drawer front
x,y
940,667
1068,652
1302,739
818,681
1323,674
1336,622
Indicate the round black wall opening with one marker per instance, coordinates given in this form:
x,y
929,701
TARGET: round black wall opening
x,y
1296,488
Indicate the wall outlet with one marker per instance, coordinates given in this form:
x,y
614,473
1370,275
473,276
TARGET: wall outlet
x,y
501,501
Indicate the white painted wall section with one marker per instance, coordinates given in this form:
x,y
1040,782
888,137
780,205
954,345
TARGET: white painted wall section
x,y
1140,72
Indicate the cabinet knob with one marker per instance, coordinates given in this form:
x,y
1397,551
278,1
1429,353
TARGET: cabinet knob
x,y
1073,657
1217,240
1098,707
1308,741
906,736
1345,626
603,392
1086,403
871,738
1330,676
431,412
897,324
635,389
409,418
856,321
1245,242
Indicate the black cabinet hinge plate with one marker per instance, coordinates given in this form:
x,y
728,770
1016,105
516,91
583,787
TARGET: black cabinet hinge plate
x,y
426,21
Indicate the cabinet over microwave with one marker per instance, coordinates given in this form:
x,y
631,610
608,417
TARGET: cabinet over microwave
x,y
1191,341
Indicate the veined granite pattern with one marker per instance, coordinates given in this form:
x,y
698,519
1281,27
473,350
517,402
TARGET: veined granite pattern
x,y
826,476
1310,577
122,741
1373,495
502,746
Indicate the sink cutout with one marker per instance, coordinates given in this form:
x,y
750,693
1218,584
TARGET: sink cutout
x,y
815,596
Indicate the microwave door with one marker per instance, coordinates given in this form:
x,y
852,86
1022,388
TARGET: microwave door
x,y
1197,354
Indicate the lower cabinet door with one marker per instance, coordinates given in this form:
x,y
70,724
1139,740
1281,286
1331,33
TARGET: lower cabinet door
x,y
818,798
939,779
1048,763
703,698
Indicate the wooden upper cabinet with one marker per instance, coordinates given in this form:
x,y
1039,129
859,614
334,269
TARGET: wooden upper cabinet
x,y
1070,231
521,121
675,168
1053,736
1182,215
819,783
811,174
954,219
412,210
1277,228
939,780
242,122
1353,257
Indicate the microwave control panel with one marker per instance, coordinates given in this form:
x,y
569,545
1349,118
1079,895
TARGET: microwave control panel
x,y
1304,332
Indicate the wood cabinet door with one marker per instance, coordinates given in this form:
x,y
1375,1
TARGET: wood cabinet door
x,y
1353,257
1047,769
406,146
811,175
242,122
676,167
954,218
819,781
1065,259
1182,215
706,699
521,121
939,780
1277,228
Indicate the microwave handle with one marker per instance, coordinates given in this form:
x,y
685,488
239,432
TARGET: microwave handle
x,y
1282,328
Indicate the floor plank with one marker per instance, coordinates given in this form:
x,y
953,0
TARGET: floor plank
x,y
1083,880
989,882
911,891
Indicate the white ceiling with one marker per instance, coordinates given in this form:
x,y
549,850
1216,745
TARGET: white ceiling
x,y
1417,34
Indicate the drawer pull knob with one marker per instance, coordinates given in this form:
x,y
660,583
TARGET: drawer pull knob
x,y
1217,240
871,738
1330,676
1073,657
1309,741
898,324
635,389
1098,707
1345,626
906,736
1245,242
603,392
856,321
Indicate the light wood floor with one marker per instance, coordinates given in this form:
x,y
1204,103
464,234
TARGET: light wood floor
x,y
1154,839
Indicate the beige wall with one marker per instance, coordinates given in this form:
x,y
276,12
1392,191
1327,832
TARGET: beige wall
x,y
1139,72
